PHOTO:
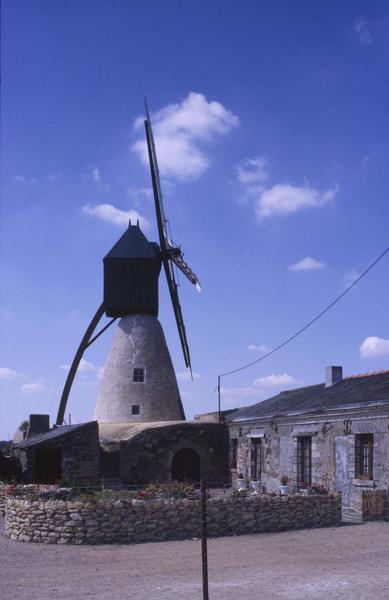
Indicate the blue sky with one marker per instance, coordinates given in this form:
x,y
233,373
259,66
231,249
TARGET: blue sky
x,y
271,123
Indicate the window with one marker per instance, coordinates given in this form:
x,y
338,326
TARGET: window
x,y
255,459
234,453
304,461
364,456
138,376
135,409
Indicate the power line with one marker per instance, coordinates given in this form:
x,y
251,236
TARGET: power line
x,y
311,322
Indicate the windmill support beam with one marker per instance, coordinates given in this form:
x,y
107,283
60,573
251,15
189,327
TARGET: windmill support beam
x,y
76,361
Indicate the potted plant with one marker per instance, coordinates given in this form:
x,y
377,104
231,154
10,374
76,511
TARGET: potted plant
x,y
240,482
284,487
255,486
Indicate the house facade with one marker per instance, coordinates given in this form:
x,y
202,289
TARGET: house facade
x,y
335,434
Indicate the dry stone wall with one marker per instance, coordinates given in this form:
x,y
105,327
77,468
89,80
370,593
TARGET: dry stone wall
x,y
2,499
134,521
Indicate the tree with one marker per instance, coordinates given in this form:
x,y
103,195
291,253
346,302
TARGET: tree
x,y
24,426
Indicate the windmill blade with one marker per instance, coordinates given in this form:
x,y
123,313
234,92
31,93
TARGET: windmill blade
x,y
169,253
161,220
175,255
172,285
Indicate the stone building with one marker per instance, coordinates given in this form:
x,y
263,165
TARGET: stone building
x,y
69,454
123,453
334,433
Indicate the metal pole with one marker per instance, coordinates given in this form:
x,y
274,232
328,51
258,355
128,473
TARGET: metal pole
x,y
218,410
204,556
218,398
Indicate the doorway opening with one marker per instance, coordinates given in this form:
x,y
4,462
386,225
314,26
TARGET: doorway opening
x,y
48,467
186,466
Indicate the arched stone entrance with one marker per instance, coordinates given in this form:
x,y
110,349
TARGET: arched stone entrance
x,y
186,466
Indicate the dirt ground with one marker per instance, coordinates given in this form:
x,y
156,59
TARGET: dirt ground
x,y
349,562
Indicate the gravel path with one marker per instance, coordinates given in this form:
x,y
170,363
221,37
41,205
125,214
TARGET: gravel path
x,y
350,562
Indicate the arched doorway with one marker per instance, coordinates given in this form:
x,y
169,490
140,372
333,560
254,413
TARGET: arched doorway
x,y
186,466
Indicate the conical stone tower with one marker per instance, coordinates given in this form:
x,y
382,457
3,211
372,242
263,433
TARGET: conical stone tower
x,y
139,383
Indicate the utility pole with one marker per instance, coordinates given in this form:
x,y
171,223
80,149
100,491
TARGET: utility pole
x,y
204,555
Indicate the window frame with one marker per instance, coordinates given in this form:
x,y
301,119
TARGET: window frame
x,y
255,458
135,372
234,453
135,414
304,461
364,455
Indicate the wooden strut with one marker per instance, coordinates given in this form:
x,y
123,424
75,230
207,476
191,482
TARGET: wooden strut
x,y
76,361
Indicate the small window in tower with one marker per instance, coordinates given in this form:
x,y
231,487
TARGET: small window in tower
x,y
135,409
138,376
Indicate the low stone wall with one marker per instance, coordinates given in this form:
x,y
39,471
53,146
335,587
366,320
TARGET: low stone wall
x,y
2,499
375,505
134,521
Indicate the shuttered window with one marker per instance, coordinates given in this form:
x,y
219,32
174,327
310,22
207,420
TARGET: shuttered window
x,y
364,456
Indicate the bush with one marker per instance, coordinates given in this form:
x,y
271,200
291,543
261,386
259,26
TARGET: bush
x,y
317,488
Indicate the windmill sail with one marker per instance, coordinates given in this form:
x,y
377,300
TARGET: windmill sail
x,y
169,252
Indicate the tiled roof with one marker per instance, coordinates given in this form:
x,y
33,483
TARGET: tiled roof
x,y
55,433
356,390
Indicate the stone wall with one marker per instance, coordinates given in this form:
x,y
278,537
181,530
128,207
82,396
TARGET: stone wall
x,y
134,521
375,505
2,499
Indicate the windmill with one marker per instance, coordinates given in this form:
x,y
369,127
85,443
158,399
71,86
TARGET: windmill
x,y
139,382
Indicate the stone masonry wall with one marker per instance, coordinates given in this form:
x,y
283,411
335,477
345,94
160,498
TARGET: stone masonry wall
x,y
2,499
134,521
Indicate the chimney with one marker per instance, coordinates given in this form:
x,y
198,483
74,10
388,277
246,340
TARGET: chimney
x,y
38,424
333,375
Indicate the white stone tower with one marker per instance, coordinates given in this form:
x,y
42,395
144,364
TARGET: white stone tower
x,y
139,382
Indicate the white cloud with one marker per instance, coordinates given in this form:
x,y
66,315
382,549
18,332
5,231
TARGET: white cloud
x,y
185,375
350,277
6,373
54,177
281,381
307,264
32,388
139,194
252,171
114,215
286,199
261,388
261,348
180,130
86,367
22,179
374,346
93,173
362,30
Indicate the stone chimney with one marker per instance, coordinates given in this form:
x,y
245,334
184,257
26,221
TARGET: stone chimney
x,y
333,375
38,424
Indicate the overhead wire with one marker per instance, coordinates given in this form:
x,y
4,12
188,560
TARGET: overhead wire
x,y
311,322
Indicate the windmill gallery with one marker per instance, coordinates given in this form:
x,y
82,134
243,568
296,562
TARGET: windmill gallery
x,y
139,433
